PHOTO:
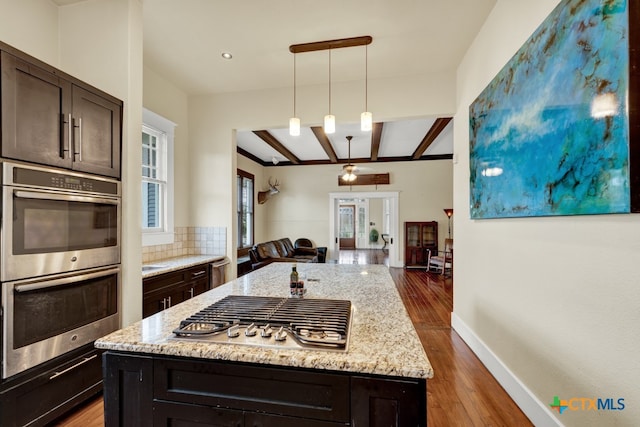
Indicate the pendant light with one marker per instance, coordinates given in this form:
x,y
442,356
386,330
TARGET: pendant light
x,y
329,119
294,122
366,118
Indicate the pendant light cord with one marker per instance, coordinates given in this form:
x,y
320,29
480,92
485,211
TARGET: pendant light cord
x,y
366,76
294,85
329,81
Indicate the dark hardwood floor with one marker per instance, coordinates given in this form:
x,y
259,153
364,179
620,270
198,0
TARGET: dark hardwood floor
x,y
462,391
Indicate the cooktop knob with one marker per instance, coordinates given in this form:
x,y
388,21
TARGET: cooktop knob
x,y
233,331
281,335
266,332
251,330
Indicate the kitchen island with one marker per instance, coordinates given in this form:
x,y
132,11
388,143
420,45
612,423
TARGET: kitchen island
x,y
153,379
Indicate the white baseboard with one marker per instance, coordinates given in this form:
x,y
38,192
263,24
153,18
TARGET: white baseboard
x,y
538,412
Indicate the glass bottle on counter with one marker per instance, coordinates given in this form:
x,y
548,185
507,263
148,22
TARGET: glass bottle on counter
x,y
293,281
301,278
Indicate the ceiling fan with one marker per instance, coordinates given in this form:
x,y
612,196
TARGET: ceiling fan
x,y
349,171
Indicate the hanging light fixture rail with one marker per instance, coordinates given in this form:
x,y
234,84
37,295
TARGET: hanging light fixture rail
x,y
330,44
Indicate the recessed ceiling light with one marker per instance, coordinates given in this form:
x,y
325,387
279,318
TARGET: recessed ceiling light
x,y
227,55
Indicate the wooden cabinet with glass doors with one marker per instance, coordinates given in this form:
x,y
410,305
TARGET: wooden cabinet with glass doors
x,y
419,238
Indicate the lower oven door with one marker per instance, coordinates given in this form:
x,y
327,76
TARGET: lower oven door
x,y
50,316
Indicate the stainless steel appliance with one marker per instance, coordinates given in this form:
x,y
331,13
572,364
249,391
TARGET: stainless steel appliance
x,y
56,221
46,317
271,322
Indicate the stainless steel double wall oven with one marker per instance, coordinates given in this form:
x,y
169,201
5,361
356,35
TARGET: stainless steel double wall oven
x,y
60,264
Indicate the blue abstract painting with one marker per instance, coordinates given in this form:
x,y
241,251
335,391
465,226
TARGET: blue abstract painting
x,y
550,134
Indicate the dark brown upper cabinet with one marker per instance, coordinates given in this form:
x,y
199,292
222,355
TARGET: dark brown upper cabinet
x,y
53,119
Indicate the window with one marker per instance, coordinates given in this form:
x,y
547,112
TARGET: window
x,y
154,179
157,179
245,209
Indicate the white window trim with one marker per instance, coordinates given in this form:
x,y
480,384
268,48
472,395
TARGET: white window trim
x,y
150,238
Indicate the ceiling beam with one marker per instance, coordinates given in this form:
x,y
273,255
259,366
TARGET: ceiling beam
x,y
432,134
376,133
325,143
330,44
276,145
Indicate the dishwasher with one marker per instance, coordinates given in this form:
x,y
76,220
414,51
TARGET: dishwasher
x,y
217,272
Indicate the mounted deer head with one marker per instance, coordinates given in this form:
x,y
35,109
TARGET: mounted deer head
x,y
263,196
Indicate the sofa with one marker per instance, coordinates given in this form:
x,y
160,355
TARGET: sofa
x,y
281,250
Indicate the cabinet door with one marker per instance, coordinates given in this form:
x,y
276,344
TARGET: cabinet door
x,y
36,108
182,414
128,390
388,403
252,419
196,288
157,301
97,133
45,396
153,304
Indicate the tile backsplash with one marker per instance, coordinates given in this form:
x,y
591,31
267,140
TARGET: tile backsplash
x,y
189,241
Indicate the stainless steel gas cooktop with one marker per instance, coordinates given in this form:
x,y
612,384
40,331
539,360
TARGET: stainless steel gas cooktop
x,y
271,322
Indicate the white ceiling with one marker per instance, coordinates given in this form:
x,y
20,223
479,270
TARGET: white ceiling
x,y
184,39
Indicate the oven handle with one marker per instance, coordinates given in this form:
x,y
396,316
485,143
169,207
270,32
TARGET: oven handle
x,y
70,368
30,285
64,197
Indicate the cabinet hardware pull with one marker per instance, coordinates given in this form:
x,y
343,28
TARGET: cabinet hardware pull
x,y
70,136
64,197
191,292
65,148
199,273
80,131
169,298
34,285
82,362
164,303
79,153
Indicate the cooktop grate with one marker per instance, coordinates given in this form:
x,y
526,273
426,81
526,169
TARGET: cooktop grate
x,y
312,322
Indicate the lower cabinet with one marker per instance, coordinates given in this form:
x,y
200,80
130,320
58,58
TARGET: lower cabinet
x,y
144,390
166,290
42,394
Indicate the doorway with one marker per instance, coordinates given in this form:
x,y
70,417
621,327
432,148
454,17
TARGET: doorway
x,y
347,224
385,222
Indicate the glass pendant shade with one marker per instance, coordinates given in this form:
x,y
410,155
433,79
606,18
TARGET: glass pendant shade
x,y
329,124
366,121
294,126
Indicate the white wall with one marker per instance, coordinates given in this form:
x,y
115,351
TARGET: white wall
x,y
32,27
302,207
552,300
164,98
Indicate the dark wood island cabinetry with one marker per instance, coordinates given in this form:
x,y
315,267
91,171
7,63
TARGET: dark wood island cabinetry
x,y
153,377
156,390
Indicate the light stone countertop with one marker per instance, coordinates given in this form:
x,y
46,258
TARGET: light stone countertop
x,y
382,339
178,263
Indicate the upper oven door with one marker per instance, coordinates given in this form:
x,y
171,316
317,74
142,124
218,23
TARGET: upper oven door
x,y
49,232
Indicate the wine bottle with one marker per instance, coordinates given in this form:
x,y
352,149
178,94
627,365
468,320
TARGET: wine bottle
x,y
293,281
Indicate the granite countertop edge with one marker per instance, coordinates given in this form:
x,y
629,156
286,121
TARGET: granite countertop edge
x,y
178,263
383,340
